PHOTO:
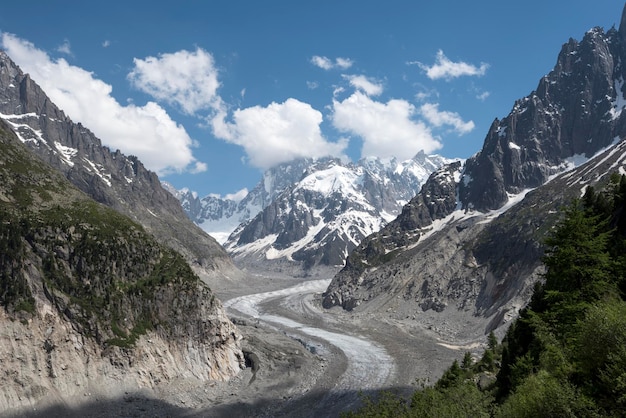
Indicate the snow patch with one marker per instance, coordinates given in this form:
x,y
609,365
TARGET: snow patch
x,y
98,170
67,153
620,102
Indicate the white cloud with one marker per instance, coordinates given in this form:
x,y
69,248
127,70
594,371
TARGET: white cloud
x,y
437,118
106,43
367,85
65,48
446,69
483,96
312,85
183,78
277,133
338,90
323,62
387,129
343,63
326,63
145,131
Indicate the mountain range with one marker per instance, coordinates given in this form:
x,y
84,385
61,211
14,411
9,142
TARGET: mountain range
x,y
310,213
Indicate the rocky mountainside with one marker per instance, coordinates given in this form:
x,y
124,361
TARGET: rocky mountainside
x,y
220,216
316,221
90,300
118,181
471,240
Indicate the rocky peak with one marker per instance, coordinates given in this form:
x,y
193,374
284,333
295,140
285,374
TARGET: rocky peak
x,y
575,110
622,27
465,243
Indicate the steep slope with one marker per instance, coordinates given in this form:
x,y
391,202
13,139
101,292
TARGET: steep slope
x,y
317,221
120,182
471,241
90,300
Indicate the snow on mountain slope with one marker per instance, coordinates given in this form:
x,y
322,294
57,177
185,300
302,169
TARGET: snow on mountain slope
x,y
322,217
310,211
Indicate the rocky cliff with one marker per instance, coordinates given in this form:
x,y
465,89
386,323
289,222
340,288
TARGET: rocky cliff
x,y
471,241
89,299
109,177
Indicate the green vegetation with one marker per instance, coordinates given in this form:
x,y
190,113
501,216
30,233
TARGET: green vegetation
x,y
565,356
98,268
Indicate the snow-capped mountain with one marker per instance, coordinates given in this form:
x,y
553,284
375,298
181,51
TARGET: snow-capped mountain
x,y
319,219
220,216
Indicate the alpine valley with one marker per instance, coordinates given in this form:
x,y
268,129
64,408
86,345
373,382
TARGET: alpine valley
x,y
339,279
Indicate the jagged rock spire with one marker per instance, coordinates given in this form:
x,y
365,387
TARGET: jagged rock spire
x,y
622,25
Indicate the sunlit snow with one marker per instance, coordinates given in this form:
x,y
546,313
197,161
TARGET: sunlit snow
x,y
67,153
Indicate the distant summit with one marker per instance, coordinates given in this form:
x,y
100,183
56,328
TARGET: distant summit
x,y
310,213
318,219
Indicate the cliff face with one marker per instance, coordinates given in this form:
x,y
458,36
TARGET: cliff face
x,y
90,299
109,177
575,110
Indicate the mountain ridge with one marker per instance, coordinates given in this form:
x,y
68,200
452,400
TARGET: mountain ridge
x,y
315,222
109,177
490,268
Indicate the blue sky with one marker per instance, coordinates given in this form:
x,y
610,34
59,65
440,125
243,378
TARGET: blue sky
x,y
210,93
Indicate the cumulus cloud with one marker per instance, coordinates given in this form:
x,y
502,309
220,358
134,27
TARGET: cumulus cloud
x,y
387,129
438,118
65,48
145,131
185,79
343,63
326,63
277,133
447,69
483,96
367,85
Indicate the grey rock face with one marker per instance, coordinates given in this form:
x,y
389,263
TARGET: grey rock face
x,y
120,182
89,299
575,110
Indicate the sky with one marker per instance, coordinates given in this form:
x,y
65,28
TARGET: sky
x,y
209,94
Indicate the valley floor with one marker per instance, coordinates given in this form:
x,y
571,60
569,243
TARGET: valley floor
x,y
303,360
